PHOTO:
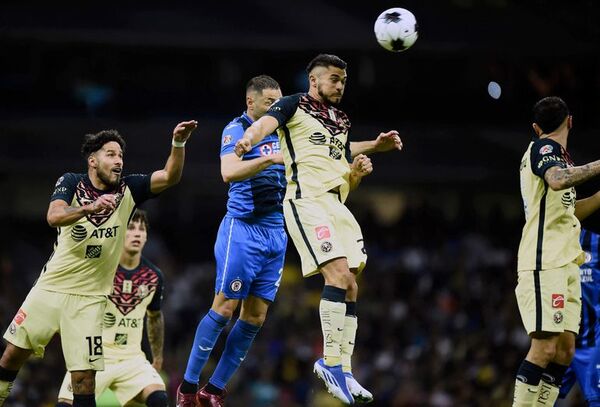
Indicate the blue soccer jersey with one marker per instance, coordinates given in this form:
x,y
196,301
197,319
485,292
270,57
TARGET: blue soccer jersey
x,y
251,242
585,367
261,195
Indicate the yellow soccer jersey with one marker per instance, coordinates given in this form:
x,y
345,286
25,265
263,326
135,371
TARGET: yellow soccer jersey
x,y
134,292
550,237
314,142
86,253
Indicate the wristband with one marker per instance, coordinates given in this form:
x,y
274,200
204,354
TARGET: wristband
x,y
178,144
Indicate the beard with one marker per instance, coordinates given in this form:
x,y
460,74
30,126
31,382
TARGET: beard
x,y
327,98
105,177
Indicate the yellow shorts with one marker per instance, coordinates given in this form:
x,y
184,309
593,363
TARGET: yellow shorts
x,y
550,300
125,378
78,319
323,229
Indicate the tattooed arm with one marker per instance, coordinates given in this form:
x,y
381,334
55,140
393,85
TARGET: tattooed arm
x,y
60,213
562,178
156,336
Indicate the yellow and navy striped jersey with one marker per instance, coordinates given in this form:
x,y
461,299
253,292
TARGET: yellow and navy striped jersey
x,y
315,146
133,293
550,237
86,253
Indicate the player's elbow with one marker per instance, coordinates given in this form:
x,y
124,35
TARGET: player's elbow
x,y
556,185
52,220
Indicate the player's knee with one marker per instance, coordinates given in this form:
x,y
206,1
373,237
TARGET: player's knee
x,y
543,352
254,318
158,398
564,354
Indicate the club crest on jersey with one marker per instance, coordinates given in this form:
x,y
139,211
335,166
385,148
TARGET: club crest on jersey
x,y
326,247
266,149
558,317
322,232
558,301
226,140
547,149
236,285
143,291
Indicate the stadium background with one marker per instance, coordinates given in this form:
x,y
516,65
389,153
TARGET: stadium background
x,y
438,320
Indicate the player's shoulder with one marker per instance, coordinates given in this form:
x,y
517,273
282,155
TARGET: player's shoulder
x,y
287,101
545,146
70,177
152,267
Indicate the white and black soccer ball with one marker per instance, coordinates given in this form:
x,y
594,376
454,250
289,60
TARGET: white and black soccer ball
x,y
396,29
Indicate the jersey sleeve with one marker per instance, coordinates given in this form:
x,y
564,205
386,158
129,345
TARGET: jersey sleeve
x,y
156,303
139,185
284,108
65,186
231,134
546,154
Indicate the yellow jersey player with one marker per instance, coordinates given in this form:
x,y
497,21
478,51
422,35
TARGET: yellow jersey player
x,y
548,290
322,166
137,293
91,212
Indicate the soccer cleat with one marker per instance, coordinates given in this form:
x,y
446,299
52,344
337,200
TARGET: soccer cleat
x,y
360,394
335,381
206,399
185,400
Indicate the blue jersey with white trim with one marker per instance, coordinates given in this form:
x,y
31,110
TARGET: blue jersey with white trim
x,y
590,291
259,197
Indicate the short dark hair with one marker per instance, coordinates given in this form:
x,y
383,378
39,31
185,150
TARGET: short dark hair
x,y
326,60
261,82
141,216
549,113
94,142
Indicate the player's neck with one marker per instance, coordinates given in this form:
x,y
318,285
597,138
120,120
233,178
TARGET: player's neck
x,y
560,137
97,182
130,262
251,115
313,93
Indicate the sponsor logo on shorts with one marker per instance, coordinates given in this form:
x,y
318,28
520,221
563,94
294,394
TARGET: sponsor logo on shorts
x,y
326,247
78,233
109,320
236,285
226,140
558,301
322,232
93,251
558,317
20,317
12,328
547,149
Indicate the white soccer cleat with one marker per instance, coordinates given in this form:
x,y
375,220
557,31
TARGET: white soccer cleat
x,y
335,381
360,394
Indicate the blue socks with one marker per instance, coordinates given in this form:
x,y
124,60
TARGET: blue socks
x,y
238,342
207,333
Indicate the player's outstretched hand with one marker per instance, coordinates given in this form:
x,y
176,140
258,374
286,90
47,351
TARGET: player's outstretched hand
x,y
242,146
388,141
104,202
362,166
184,130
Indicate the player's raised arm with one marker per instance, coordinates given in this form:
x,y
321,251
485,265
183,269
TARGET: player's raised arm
x,y
171,174
384,142
255,133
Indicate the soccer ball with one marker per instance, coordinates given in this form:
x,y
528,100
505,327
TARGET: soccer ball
x,y
396,29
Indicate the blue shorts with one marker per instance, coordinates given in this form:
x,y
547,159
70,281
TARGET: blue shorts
x,y
249,259
585,368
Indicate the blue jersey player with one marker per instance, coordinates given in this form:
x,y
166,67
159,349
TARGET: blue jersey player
x,y
585,367
249,250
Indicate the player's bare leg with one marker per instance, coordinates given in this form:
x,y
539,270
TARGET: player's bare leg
x,y
332,310
541,352
359,393
11,362
555,370
83,383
